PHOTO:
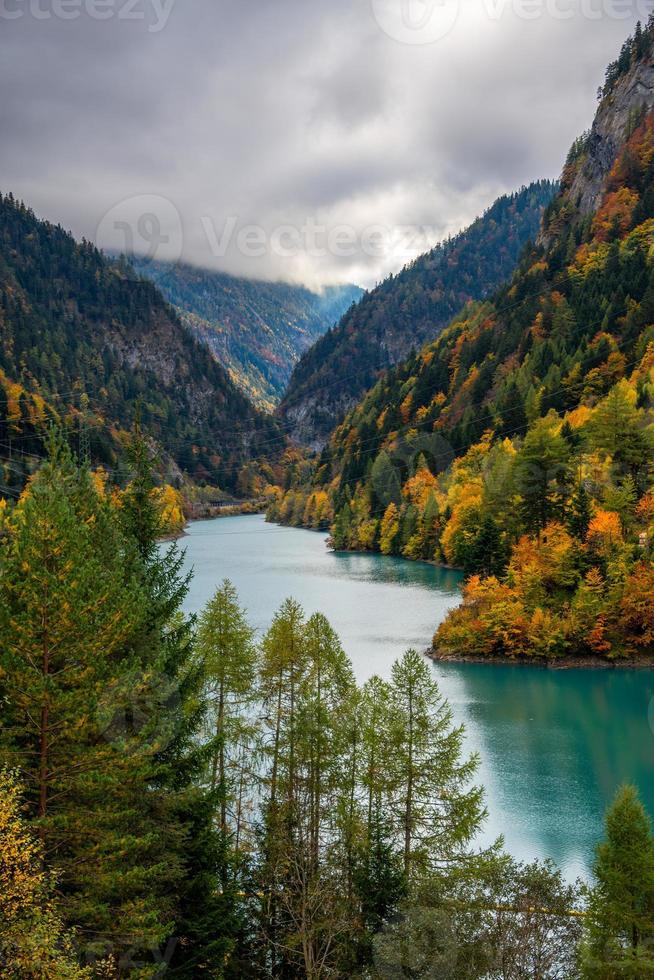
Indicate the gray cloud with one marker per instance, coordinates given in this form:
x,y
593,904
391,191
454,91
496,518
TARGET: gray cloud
x,y
252,112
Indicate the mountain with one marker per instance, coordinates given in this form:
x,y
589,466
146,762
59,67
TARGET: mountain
x,y
257,330
85,340
405,311
518,445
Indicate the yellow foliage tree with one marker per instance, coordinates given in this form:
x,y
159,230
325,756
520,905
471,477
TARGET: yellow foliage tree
x,y
389,532
604,532
540,565
170,504
33,942
418,487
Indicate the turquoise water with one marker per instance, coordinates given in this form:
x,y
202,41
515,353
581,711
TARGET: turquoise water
x,y
554,745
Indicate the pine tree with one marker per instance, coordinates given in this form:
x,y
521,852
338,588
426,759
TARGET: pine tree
x,y
74,613
542,474
580,512
620,921
341,530
172,720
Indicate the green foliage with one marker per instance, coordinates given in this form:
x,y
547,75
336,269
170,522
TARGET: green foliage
x,y
102,346
101,712
255,329
542,475
408,309
620,927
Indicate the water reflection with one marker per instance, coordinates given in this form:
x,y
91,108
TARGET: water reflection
x,y
555,747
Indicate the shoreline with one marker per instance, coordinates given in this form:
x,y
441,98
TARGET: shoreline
x,y
561,663
216,513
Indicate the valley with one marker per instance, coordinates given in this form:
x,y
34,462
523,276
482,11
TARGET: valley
x,y
256,330
304,589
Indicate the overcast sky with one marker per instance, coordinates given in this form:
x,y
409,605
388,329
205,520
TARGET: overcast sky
x,y
307,140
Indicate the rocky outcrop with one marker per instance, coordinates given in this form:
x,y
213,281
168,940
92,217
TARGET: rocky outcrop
x,y
256,330
616,118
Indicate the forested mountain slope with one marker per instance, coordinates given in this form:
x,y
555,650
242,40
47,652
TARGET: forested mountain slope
x,y
519,445
257,330
406,310
85,340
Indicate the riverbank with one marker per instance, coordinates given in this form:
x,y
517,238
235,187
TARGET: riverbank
x,y
558,663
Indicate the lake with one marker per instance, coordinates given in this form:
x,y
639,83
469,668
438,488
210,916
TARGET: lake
x,y
554,745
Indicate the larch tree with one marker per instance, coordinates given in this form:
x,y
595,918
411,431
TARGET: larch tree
x,y
619,938
435,811
316,870
379,876
283,664
226,648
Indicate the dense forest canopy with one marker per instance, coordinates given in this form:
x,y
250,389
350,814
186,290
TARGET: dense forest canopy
x,y
86,340
257,330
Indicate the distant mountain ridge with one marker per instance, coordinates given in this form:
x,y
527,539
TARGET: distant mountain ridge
x,y
257,330
406,310
84,340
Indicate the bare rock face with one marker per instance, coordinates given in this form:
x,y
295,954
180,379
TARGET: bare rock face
x,y
632,96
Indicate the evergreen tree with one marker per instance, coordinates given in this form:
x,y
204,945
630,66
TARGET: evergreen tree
x,y
75,610
580,512
486,553
620,921
435,812
173,717
542,474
